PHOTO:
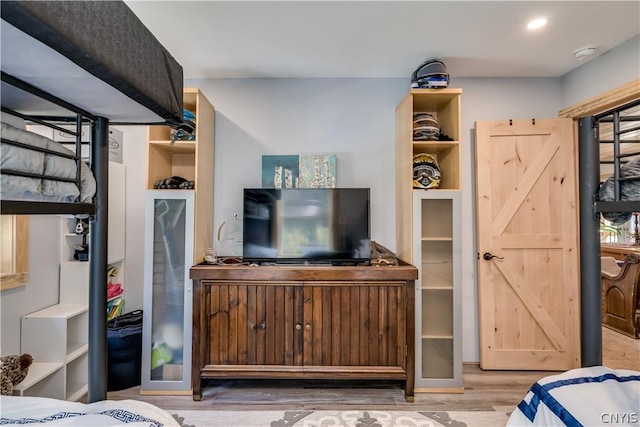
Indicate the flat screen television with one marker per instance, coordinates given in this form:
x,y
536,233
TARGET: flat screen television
x,y
298,226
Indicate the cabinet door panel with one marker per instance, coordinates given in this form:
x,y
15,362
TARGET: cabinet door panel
x,y
280,324
257,333
242,313
372,326
269,326
396,327
335,321
252,322
227,327
255,324
293,343
345,333
312,310
235,323
213,341
353,325
364,320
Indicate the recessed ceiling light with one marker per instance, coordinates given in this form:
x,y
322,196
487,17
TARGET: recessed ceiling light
x,y
584,52
537,23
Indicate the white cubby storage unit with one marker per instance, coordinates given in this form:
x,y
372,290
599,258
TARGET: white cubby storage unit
x,y
57,338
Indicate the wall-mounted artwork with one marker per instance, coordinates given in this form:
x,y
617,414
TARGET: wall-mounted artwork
x,y
317,171
299,171
279,171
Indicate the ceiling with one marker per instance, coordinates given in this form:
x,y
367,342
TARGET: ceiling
x,y
309,39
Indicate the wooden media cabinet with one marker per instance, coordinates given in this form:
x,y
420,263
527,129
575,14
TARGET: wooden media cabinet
x,y
303,322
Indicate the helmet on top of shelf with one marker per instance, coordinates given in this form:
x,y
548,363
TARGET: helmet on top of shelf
x,y
426,171
425,127
432,74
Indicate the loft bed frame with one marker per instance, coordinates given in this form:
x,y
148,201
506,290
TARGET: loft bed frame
x,y
85,62
622,135
73,115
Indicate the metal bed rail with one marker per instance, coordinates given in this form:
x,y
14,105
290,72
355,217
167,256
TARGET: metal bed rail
x,y
590,209
76,116
616,118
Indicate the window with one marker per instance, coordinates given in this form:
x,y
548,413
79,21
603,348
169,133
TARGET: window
x,y
14,251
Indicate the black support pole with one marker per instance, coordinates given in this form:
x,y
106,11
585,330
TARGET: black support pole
x,y
590,298
98,264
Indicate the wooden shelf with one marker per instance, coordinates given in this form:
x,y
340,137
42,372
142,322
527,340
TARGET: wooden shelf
x,y
189,159
437,362
192,160
437,239
433,99
177,147
439,287
428,234
437,337
427,146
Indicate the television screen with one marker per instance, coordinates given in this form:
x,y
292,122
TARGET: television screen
x,y
306,225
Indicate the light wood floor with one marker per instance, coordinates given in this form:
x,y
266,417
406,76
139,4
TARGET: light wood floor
x,y
483,390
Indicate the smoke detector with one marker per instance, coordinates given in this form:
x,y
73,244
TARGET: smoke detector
x,y
584,52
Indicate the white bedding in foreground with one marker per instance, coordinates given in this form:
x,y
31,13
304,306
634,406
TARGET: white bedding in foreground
x,y
41,411
595,396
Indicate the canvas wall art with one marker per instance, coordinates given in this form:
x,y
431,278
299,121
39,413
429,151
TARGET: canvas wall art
x,y
317,171
299,171
279,171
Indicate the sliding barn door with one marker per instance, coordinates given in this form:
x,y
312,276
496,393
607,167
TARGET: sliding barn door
x,y
528,286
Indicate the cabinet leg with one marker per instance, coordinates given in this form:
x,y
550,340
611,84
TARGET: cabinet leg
x,y
408,391
197,391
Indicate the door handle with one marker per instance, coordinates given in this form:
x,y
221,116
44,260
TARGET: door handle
x,y
488,256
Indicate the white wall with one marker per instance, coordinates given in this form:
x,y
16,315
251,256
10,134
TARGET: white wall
x,y
607,71
42,289
352,118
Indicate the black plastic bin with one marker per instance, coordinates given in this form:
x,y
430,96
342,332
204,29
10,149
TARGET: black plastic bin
x,y
124,346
